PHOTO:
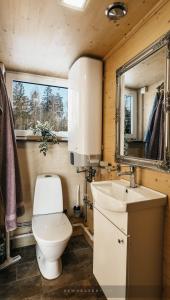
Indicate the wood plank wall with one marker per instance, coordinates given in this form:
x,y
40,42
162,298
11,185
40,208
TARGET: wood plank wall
x,y
156,26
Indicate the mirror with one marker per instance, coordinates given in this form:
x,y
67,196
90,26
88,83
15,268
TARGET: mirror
x,y
143,114
142,98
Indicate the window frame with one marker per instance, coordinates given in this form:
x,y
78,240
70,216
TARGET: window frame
x,y
132,93
34,79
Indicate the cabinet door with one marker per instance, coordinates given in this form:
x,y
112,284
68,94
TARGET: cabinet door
x,y
110,257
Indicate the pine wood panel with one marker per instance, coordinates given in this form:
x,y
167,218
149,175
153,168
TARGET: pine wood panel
x,y
43,37
148,33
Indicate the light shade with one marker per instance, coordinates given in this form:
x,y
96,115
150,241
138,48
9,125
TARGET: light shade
x,y
76,4
116,10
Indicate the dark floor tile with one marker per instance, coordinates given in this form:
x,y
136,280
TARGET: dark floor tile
x,y
78,242
85,263
83,297
71,274
10,291
36,297
78,263
27,253
87,296
77,272
8,275
21,289
27,269
55,295
83,273
84,256
93,281
30,287
64,280
66,292
22,281
75,291
69,259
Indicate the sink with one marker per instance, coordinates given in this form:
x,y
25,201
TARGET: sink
x,y
117,195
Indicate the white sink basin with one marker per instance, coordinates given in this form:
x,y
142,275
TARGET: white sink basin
x,y
116,195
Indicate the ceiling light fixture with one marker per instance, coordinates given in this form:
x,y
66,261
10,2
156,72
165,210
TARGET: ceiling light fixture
x,y
116,10
75,4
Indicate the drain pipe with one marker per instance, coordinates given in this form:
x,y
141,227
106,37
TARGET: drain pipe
x,y
90,173
85,199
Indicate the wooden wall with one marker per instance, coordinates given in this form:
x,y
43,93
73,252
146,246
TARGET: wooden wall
x,y
156,26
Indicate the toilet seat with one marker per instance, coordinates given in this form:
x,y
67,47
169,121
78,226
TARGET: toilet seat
x,y
51,228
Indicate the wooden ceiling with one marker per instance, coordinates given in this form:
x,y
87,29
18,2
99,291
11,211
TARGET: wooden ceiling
x,y
147,72
44,37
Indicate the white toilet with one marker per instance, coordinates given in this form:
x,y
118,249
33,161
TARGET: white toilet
x,y
51,227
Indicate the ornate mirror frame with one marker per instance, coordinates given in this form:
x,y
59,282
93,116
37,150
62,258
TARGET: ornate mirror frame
x,y
161,165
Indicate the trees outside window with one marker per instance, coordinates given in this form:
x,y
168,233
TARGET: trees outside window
x,y
36,102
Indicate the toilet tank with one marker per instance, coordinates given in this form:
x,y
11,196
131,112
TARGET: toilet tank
x,y
48,197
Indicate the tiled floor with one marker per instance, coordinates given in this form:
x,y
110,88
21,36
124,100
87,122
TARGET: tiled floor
x,y
24,281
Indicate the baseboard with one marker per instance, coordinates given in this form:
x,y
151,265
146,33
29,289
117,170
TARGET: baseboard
x,y
87,234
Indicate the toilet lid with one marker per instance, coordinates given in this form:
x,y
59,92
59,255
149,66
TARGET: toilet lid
x,y
52,227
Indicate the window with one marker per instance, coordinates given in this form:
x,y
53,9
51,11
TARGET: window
x,y
130,106
128,114
38,98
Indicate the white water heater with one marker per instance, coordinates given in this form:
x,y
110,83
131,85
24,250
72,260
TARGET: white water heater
x,y
85,112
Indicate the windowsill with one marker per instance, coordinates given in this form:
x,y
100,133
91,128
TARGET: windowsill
x,y
34,138
27,135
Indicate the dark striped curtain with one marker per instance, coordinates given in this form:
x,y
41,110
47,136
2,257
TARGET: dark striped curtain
x,y
154,139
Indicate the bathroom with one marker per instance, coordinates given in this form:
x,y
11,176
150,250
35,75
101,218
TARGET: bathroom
x,y
41,43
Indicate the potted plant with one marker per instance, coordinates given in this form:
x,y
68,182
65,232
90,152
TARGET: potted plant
x,y
45,130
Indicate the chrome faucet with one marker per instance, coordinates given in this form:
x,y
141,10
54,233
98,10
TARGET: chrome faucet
x,y
132,174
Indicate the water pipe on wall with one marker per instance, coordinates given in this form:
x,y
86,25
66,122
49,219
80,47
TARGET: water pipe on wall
x,y
90,173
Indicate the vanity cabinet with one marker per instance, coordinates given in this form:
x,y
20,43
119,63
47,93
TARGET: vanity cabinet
x,y
110,255
127,260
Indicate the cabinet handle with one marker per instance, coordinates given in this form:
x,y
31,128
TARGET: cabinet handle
x,y
120,241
